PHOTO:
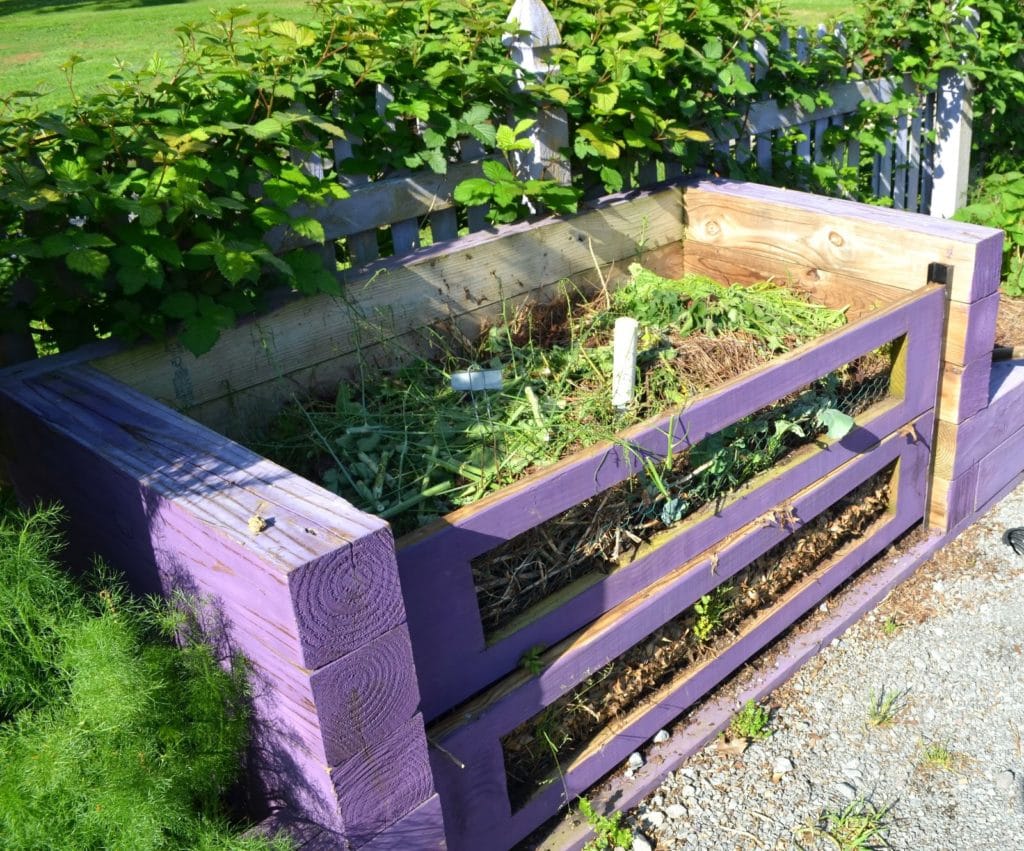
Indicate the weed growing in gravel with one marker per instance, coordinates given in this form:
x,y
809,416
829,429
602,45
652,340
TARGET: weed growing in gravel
x,y
751,722
609,832
937,756
890,626
885,706
859,826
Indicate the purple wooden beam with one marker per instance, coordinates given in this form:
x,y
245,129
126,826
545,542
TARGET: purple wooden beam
x,y
1003,415
1000,467
565,668
474,797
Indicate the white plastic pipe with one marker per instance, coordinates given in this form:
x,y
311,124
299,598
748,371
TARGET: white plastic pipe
x,y
624,363
476,380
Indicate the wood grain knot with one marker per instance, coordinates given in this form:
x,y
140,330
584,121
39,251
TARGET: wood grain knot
x,y
836,239
712,228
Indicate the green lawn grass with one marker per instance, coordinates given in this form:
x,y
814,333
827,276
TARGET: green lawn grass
x,y
37,36
810,13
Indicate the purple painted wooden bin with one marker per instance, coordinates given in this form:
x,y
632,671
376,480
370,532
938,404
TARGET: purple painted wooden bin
x,y
364,651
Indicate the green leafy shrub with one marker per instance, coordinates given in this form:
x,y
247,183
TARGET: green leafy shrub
x,y
111,734
999,203
144,208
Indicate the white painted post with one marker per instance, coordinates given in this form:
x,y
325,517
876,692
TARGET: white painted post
x,y
624,340
531,50
951,160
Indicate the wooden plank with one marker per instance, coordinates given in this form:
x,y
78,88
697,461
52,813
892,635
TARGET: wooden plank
x,y
900,170
1000,467
620,793
860,296
380,203
405,237
818,136
970,330
362,245
952,501
434,562
423,828
953,125
383,783
365,696
485,785
317,333
806,230
885,176
963,390
476,216
959,446
914,162
444,226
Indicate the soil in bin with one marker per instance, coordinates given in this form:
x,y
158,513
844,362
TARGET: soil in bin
x,y
408,447
540,748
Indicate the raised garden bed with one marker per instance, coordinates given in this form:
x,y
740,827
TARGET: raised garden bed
x,y
359,644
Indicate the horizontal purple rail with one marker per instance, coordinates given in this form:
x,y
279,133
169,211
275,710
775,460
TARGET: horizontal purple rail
x,y
453,658
475,798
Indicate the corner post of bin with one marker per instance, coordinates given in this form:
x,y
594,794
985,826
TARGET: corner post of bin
x,y
530,46
352,626
963,398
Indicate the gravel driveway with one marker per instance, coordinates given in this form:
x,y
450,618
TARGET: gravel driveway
x,y
909,728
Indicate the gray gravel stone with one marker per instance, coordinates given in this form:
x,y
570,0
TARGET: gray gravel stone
x,y
641,843
957,654
846,790
782,765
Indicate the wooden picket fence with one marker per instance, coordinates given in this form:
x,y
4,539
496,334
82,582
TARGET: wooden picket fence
x,y
923,167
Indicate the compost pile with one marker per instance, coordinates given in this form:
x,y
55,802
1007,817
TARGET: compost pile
x,y
408,447
607,531
540,748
